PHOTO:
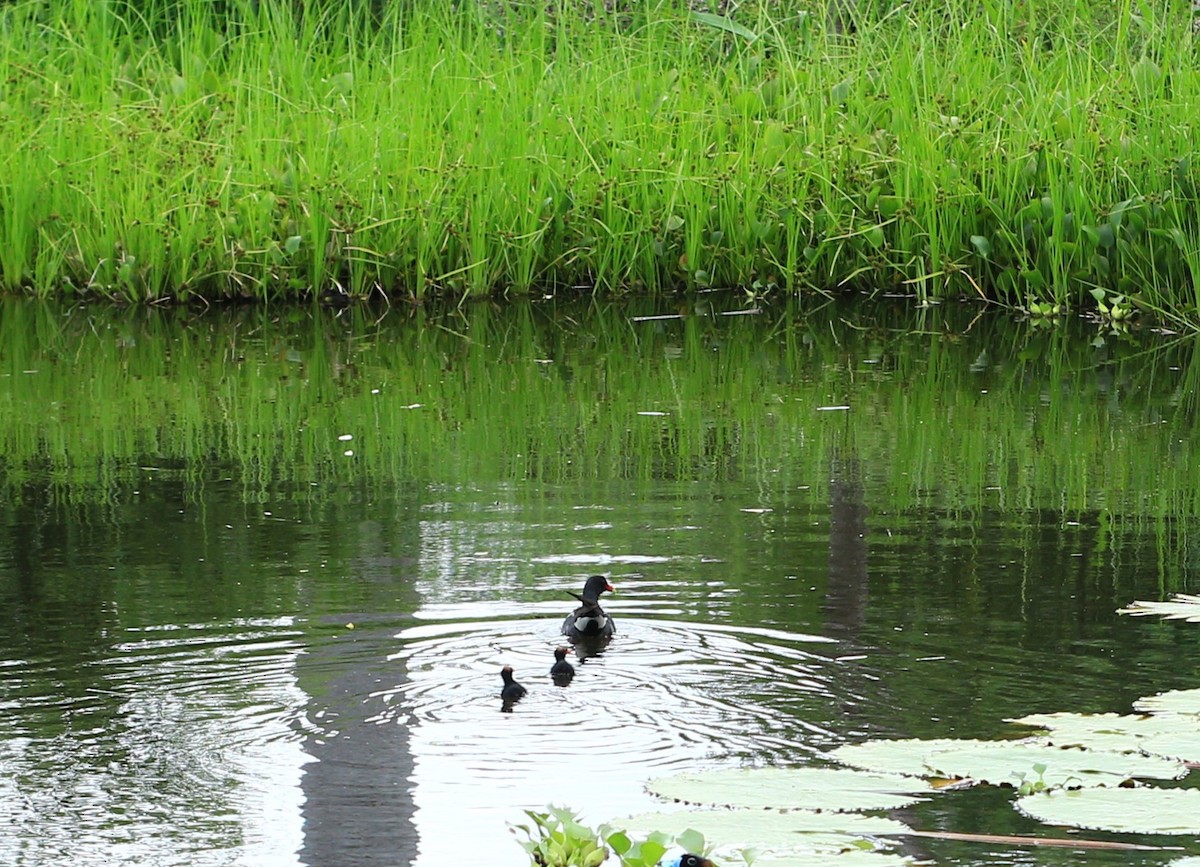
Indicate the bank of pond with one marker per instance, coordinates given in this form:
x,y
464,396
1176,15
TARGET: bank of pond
x,y
1037,155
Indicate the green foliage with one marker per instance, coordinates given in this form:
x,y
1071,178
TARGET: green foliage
x,y
267,149
556,838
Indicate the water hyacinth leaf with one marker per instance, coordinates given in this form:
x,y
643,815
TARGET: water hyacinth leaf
x,y
1175,701
836,789
1181,606
674,223
801,831
1123,811
691,840
983,247
839,92
1007,762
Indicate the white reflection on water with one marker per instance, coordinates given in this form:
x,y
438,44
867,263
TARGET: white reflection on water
x,y
665,695
182,753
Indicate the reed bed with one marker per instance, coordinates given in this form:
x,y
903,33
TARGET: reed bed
x,y
1033,153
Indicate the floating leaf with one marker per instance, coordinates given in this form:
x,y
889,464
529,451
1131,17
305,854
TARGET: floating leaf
x,y
1175,701
851,858
1181,606
792,788
1008,762
1120,732
1129,811
798,831
905,757
982,245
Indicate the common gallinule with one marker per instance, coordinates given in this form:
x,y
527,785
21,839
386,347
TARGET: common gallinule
x,y
512,690
562,671
589,619
686,860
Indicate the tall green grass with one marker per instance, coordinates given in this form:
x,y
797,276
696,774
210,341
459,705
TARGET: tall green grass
x,y
1033,151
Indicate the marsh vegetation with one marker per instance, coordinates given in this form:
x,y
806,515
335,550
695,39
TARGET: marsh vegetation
x,y
1038,154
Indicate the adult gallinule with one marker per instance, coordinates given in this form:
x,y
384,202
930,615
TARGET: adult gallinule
x,y
512,690
589,619
562,671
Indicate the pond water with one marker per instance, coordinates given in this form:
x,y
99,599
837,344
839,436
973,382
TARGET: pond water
x,y
259,575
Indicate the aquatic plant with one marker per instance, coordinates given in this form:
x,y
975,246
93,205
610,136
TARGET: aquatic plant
x,y
269,149
557,838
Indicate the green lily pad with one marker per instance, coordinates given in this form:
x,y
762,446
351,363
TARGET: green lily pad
x,y
1178,736
1123,811
1008,762
1175,701
852,858
903,756
1181,606
797,831
838,789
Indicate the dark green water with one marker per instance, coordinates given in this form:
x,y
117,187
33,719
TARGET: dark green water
x,y
258,575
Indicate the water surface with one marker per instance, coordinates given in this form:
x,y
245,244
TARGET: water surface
x,y
259,576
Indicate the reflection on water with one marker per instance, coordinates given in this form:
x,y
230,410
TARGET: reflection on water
x,y
181,747
664,695
260,649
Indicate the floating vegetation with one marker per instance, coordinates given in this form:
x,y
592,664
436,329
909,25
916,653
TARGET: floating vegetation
x,y
795,832
1174,701
834,789
1008,763
1171,735
1181,606
1123,811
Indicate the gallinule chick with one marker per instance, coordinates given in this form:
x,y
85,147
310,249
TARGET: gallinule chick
x,y
686,860
562,671
512,690
589,619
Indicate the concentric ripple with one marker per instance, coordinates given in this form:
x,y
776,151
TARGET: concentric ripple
x,y
664,695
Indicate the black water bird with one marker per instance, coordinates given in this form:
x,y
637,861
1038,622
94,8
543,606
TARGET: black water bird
x,y
686,860
512,690
589,619
562,671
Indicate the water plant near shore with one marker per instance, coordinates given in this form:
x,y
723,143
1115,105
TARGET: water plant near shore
x,y
1012,151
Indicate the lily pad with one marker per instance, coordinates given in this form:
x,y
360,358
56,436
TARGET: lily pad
x,y
838,789
1177,736
852,858
1175,701
903,756
797,831
1181,606
1124,811
1009,762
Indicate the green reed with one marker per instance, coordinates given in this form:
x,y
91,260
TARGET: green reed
x,y
1024,152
